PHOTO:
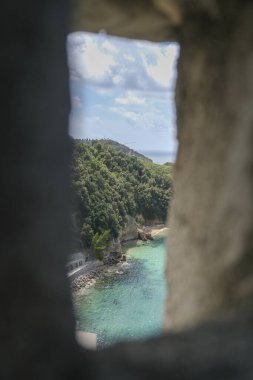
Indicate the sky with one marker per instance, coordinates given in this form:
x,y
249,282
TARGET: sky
x,y
123,90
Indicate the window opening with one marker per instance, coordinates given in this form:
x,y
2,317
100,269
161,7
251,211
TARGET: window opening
x,y
122,125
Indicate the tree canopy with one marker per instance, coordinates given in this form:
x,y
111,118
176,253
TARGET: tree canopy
x,y
108,185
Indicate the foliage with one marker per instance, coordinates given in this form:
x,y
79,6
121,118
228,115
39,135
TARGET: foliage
x,y
101,242
120,148
108,185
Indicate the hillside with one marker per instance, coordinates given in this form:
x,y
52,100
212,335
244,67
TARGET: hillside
x,y
119,147
108,185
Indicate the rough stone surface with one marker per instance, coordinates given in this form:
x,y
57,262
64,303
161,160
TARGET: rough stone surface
x,y
130,230
36,320
133,19
219,350
211,236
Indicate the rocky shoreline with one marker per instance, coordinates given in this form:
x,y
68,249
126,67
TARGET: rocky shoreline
x,y
81,284
114,263
87,279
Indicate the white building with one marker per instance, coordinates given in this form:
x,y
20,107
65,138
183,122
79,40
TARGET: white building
x,y
75,261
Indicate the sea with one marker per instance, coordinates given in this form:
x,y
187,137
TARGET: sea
x,y
127,305
159,157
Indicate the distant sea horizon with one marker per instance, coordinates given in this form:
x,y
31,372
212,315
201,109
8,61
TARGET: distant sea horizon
x,y
158,156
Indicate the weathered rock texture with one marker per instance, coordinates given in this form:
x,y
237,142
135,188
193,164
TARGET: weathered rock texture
x,y
36,321
132,19
211,238
130,230
210,266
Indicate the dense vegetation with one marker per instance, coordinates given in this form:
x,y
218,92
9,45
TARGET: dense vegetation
x,y
120,148
108,185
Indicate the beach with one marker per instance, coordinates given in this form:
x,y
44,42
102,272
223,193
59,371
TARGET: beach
x,y
155,229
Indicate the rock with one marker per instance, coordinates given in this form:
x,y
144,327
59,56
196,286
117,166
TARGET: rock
x,y
130,231
141,235
149,236
144,236
112,258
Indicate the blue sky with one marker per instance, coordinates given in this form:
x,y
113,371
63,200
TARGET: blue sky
x,y
124,90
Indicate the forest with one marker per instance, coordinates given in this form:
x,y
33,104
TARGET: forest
x,y
111,181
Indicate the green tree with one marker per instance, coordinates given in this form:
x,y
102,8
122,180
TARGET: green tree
x,y
109,182
87,235
100,243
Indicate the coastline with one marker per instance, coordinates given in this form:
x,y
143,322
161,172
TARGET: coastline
x,y
81,284
155,231
127,305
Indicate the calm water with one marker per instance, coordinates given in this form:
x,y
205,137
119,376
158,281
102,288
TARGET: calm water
x,y
127,305
159,157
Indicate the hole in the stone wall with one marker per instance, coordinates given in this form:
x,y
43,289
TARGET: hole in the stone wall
x,y
122,126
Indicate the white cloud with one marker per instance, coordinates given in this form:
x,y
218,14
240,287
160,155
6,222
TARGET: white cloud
x,y
126,114
147,119
103,91
128,58
97,63
76,102
109,47
110,61
89,59
129,92
162,68
131,98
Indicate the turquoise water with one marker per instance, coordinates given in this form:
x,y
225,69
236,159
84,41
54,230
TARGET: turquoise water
x,y
129,305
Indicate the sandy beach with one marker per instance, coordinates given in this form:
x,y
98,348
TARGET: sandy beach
x,y
155,230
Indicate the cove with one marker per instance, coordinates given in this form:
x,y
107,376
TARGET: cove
x,y
127,305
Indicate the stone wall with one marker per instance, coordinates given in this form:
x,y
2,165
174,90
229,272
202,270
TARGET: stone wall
x,y
210,247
